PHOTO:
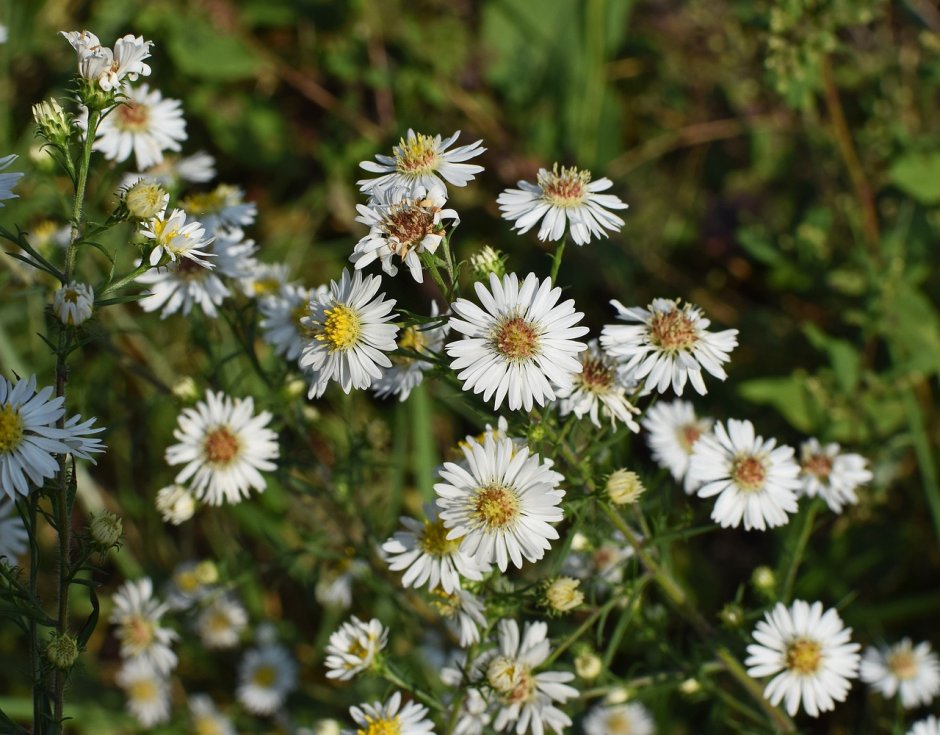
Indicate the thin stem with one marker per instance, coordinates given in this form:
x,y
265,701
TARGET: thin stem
x,y
93,117
556,259
781,721
398,681
588,622
786,591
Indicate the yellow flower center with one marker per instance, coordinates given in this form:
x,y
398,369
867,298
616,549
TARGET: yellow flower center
x,y
341,328
71,295
413,340
417,155
221,446
804,656
494,507
512,681
210,202
619,724
265,286
748,473
139,633
672,331
381,726
132,117
264,676
206,725
11,429
446,604
596,376
903,664
143,690
516,339
219,622
187,580
434,541
564,188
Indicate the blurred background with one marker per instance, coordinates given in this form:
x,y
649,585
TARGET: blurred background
x,y
781,161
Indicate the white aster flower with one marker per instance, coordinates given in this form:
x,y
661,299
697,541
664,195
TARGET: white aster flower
x,y
221,210
282,317
349,335
206,718
521,345
464,611
500,503
391,717
474,714
225,447
179,287
176,504
137,614
601,565
221,622
668,345
526,698
619,719
191,582
13,536
755,480
109,68
833,475
673,429
808,652
264,280
353,648
73,303
144,124
8,181
177,238
599,389
565,196
172,171
30,440
266,676
422,161
930,726
913,672
428,557
147,690
403,224
406,372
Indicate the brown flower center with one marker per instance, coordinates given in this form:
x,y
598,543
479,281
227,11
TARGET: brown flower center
x,y
516,339
748,473
221,446
803,656
494,506
903,664
688,435
819,465
408,224
596,376
139,632
672,331
564,188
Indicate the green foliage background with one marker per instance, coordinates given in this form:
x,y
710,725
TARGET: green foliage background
x,y
782,165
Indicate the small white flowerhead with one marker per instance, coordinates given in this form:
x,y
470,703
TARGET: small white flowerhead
x,y
832,474
146,199
563,595
908,671
73,303
624,487
929,726
619,719
176,504
266,676
354,647
147,690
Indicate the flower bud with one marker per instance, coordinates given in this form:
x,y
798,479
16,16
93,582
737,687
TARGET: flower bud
x,y
580,542
765,582
588,665
617,695
54,123
326,727
536,433
62,651
488,261
146,199
73,303
690,686
176,504
106,530
207,572
732,616
186,389
624,487
563,594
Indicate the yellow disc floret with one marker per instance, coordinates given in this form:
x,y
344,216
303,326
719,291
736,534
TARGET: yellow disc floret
x,y
341,328
381,726
11,429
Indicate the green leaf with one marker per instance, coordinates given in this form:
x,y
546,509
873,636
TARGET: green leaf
x,y
202,51
918,175
789,395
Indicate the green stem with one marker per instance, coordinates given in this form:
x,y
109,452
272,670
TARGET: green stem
x,y
556,259
781,721
588,622
789,580
121,282
93,117
398,681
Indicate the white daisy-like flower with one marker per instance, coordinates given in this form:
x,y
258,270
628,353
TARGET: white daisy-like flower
x,y
282,317
266,676
391,717
403,224
527,699
930,726
808,652
147,690
755,480
144,124
176,504
179,287
500,503
464,611
912,672
109,68
264,280
335,584
407,372
474,714
668,345
8,181
619,719
73,303
137,614
428,557
221,210
206,718
349,335
14,539
601,565
672,432
561,197
422,161
221,622
831,474
224,447
174,236
599,389
172,171
30,440
353,648
191,582
521,345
